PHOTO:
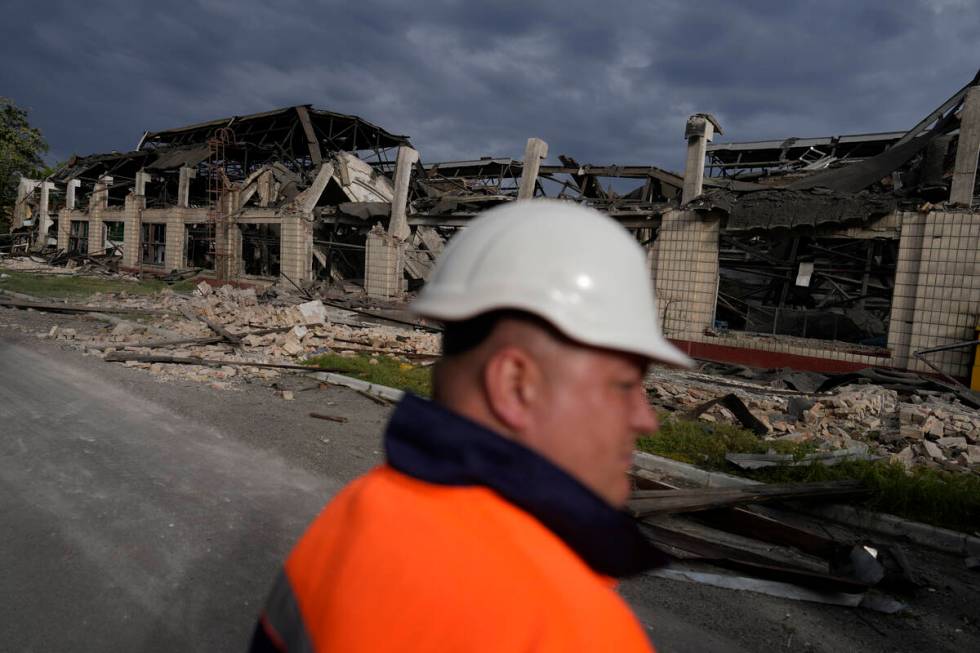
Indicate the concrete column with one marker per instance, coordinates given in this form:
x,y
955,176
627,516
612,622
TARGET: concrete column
x,y
296,246
907,267
142,179
100,194
398,225
44,217
384,265
64,228
96,235
700,129
265,187
535,150
233,252
174,257
184,186
131,232
967,151
25,188
71,187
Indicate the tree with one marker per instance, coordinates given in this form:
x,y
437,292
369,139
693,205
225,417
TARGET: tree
x,y
21,147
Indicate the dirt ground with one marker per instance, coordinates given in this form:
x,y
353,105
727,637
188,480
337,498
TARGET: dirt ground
x,y
942,616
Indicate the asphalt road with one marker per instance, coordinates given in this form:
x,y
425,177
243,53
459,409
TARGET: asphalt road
x,y
128,526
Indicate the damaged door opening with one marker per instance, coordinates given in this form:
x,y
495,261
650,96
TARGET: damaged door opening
x,y
261,249
200,245
154,240
78,238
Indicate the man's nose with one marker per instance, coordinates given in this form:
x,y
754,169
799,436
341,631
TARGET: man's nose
x,y
644,416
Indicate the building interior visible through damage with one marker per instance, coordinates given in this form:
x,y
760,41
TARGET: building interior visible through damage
x,y
828,253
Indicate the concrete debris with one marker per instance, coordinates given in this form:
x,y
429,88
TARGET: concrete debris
x,y
278,330
930,429
314,312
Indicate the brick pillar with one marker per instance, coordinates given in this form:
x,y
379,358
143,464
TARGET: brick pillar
x,y
906,282
233,252
131,217
96,235
687,273
176,241
384,265
296,246
64,226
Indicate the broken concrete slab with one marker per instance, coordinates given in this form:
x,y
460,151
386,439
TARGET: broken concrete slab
x,y
932,450
313,312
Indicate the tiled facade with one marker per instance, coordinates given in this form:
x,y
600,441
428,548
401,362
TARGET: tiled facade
x,y
685,261
939,289
936,298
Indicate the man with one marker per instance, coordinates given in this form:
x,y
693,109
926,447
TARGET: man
x,y
495,524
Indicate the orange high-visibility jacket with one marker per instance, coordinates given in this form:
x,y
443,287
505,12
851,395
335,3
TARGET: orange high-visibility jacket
x,y
464,541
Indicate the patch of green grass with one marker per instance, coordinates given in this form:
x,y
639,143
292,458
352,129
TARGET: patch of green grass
x,y
927,495
705,445
934,497
73,287
387,371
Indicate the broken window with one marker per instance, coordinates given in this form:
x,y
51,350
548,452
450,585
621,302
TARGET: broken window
x,y
78,237
828,288
200,245
154,240
260,249
115,233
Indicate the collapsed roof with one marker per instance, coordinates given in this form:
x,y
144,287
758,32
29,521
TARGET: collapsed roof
x,y
299,137
832,181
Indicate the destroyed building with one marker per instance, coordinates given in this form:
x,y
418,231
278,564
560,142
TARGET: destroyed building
x,y
829,253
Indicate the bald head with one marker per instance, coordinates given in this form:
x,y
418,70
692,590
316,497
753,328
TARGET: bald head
x,y
578,406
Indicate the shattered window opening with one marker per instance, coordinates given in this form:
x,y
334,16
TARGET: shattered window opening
x,y
154,242
261,249
78,238
200,246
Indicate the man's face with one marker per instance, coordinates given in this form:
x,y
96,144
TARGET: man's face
x,y
593,408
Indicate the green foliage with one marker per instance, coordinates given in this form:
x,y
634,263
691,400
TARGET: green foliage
x,y
927,495
930,496
21,147
705,445
75,287
387,371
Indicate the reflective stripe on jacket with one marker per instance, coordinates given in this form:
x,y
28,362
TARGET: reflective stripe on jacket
x,y
464,541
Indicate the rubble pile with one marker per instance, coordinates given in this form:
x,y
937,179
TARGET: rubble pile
x,y
260,332
930,428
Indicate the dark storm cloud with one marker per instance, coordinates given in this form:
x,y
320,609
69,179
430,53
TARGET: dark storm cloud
x,y
607,82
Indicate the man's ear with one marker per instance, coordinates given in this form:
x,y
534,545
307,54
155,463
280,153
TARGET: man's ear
x,y
512,382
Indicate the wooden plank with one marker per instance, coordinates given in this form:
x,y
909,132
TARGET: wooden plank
x,y
122,357
749,521
217,328
735,552
331,418
650,502
74,308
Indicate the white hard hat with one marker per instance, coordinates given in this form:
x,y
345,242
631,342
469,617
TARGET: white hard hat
x,y
567,264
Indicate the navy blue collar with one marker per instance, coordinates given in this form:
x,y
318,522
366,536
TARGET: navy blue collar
x,y
430,443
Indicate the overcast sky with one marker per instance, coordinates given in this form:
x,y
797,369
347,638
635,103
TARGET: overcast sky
x,y
605,81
